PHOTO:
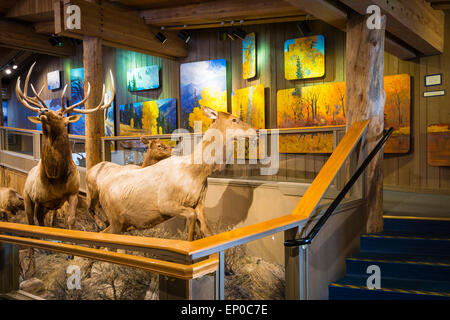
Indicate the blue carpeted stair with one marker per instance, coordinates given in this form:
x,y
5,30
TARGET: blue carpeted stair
x,y
414,259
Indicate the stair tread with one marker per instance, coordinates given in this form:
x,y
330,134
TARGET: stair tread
x,y
401,258
395,284
400,235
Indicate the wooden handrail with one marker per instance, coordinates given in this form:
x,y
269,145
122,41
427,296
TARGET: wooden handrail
x,y
171,269
206,246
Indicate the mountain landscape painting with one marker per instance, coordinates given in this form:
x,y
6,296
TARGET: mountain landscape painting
x,y
202,84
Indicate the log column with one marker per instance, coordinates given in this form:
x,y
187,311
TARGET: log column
x,y
93,72
365,98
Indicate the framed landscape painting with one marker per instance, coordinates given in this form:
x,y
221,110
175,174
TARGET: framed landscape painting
x,y
202,84
148,117
249,56
144,78
77,94
109,117
304,58
248,105
53,80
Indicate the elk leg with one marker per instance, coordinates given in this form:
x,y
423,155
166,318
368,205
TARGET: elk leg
x,y
200,210
39,212
29,209
71,212
173,209
92,201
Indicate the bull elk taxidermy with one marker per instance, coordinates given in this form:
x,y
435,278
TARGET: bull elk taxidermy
x,y
176,186
55,179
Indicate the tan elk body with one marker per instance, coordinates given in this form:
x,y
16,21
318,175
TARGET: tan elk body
x,y
176,186
55,179
156,152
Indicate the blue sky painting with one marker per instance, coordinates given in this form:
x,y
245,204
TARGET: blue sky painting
x,y
202,83
77,89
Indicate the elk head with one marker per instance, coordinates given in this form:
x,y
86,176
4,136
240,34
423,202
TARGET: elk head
x,y
54,122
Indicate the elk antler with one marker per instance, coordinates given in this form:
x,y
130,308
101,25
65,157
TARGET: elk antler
x,y
101,105
25,100
39,103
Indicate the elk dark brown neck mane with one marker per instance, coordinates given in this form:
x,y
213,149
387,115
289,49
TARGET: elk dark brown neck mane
x,y
56,156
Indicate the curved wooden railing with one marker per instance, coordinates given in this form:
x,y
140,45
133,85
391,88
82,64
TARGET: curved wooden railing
x,y
187,252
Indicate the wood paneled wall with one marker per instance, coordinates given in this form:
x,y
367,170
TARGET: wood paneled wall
x,y
406,172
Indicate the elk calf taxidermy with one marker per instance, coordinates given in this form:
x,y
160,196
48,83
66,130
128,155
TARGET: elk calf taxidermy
x,y
55,179
156,151
10,202
176,186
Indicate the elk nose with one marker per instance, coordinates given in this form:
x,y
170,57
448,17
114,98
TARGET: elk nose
x,y
43,112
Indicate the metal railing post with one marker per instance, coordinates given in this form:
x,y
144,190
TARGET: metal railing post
x,y
220,277
304,272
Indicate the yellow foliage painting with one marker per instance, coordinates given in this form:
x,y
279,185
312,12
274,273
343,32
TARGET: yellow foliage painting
x,y
249,56
304,58
202,84
438,140
248,105
324,105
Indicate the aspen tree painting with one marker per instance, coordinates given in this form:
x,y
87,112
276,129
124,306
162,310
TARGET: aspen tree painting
x,y
304,58
249,56
144,78
248,105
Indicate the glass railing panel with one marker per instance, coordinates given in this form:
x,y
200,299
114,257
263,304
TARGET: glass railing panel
x,y
18,142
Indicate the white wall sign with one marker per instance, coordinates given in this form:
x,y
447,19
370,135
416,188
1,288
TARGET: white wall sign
x,y
433,80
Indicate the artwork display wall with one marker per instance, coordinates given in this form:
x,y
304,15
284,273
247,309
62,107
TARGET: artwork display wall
x,y
438,145
304,58
202,84
53,80
148,117
143,78
324,105
248,105
249,56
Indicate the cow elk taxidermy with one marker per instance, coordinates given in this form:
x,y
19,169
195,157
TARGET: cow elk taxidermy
x,y
10,202
176,186
55,179
156,151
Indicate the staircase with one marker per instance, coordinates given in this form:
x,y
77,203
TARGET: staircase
x,y
414,259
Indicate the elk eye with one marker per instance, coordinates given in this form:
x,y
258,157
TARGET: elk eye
x,y
235,120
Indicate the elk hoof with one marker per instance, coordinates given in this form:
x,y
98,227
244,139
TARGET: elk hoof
x,y
71,257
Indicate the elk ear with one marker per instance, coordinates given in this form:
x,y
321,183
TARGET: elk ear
x,y
34,120
144,140
73,118
210,113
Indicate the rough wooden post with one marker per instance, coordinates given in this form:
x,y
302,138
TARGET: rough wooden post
x,y
93,72
9,268
365,100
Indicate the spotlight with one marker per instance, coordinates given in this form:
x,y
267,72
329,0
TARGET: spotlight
x,y
230,34
161,37
14,66
304,28
8,71
184,36
239,33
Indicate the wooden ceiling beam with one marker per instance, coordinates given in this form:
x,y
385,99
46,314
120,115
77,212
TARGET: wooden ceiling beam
x,y
413,21
217,11
31,10
22,37
45,27
118,29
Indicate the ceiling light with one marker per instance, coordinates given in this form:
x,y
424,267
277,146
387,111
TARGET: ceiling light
x,y
8,71
14,66
230,34
161,37
239,33
184,35
304,28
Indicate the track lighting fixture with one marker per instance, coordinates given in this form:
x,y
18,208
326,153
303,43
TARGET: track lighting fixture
x,y
304,28
55,41
239,33
8,71
184,35
160,36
